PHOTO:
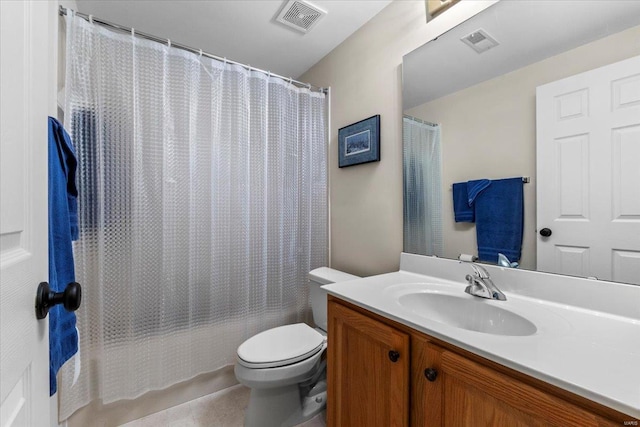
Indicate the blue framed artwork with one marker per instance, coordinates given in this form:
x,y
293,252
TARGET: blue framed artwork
x,y
359,142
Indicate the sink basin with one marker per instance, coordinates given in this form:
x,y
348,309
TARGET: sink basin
x,y
467,312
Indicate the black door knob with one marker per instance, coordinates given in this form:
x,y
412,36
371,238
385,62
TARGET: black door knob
x,y
394,356
545,232
46,298
431,374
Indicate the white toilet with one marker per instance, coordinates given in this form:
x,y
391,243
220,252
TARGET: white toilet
x,y
284,367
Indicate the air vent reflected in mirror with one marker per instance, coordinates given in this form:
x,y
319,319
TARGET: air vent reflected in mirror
x,y
479,40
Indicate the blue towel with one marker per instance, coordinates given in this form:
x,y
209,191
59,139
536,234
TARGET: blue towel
x,y
474,188
464,196
499,220
63,228
461,209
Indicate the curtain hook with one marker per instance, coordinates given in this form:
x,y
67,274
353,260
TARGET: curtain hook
x,y
168,42
133,32
200,53
225,60
91,19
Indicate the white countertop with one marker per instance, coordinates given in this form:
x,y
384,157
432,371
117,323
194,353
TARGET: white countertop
x,y
591,353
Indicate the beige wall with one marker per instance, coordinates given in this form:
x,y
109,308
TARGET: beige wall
x,y
364,74
489,131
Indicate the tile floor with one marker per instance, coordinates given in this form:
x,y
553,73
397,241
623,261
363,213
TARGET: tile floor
x,y
222,409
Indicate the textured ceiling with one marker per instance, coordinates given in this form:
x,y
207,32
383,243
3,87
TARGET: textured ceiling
x,y
240,30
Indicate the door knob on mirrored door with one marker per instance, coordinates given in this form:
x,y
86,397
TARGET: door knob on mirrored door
x,y
46,298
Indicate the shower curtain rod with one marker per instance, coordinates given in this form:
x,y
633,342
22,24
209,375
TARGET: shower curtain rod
x,y
63,11
424,122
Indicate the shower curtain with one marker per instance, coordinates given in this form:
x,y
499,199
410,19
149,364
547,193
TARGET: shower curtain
x,y
422,187
203,206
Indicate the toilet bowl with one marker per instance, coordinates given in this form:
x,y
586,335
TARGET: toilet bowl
x,y
285,366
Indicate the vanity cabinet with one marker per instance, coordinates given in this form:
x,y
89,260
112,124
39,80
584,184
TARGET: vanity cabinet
x,y
433,383
367,371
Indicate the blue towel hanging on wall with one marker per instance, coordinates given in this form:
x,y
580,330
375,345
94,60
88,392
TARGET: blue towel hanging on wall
x,y
499,220
461,210
475,188
63,228
464,196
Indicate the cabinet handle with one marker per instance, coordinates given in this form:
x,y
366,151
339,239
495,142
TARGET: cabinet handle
x,y
394,356
431,374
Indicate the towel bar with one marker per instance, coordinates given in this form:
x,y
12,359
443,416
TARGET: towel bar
x,y
525,180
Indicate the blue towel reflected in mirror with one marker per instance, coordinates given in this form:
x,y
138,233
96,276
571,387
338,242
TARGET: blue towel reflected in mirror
x,y
497,208
499,220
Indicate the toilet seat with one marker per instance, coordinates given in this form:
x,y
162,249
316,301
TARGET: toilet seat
x,y
280,346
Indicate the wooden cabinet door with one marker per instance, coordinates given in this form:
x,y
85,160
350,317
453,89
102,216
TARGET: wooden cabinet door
x,y
367,371
474,395
426,383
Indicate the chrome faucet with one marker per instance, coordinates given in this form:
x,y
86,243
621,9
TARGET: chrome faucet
x,y
481,285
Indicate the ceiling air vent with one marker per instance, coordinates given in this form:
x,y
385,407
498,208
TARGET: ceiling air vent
x,y
479,41
300,15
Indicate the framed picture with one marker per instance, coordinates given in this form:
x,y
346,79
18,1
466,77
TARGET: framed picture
x,y
359,142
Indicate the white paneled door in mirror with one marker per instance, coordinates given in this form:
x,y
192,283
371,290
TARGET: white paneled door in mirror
x,y
588,166
25,102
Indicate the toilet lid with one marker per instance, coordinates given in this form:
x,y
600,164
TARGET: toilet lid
x,y
281,346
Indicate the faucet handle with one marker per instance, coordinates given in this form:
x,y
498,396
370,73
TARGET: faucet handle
x,y
479,271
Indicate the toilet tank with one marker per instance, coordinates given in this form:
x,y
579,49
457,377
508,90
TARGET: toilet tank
x,y
318,296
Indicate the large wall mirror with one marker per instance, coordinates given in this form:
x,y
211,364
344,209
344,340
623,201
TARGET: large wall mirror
x,y
476,115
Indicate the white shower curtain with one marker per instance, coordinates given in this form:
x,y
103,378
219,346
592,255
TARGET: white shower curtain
x,y
203,205
422,187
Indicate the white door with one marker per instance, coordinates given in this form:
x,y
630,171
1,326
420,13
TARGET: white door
x,y
25,102
588,166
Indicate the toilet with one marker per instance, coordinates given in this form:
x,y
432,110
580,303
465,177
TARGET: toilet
x,y
284,366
